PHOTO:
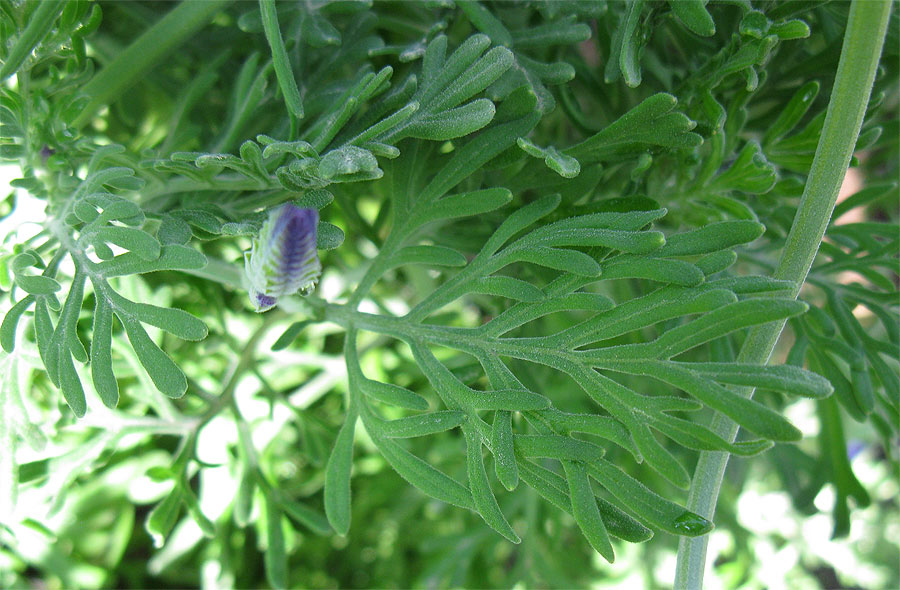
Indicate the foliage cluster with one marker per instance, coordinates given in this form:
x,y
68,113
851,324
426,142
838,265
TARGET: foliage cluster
x,y
546,230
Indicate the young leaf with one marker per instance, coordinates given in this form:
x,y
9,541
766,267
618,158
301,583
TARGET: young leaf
x,y
163,516
306,516
280,59
585,510
503,447
430,255
485,502
393,395
422,475
11,320
165,374
423,424
337,478
275,555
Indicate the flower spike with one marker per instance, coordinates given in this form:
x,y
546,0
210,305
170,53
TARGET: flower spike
x,y
283,258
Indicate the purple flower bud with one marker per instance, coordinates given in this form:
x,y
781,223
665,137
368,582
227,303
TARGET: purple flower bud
x,y
283,258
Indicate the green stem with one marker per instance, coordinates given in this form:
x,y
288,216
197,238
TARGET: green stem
x,y
150,48
863,41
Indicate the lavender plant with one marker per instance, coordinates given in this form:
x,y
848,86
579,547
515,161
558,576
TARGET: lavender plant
x,y
535,259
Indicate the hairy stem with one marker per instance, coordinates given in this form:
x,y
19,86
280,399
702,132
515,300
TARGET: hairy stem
x,y
150,48
853,86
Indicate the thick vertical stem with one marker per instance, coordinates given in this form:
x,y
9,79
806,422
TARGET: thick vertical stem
x,y
863,41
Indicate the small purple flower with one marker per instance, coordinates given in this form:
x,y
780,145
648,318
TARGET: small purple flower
x,y
283,258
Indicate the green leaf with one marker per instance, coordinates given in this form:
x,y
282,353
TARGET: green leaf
x,y
752,284
288,336
519,220
280,60
337,478
243,500
485,502
585,510
328,236
346,161
522,313
114,208
275,554
304,515
622,526
751,172
67,327
602,426
553,488
565,166
252,155
314,199
627,241
783,378
162,518
557,259
676,272
503,399
792,113
423,476
483,20
475,153
11,320
35,285
164,373
507,287
724,320
204,220
750,414
70,384
173,231
645,504
711,238
422,424
453,123
174,321
101,354
503,447
386,125
561,32
139,242
481,74
393,394
172,257
792,29
430,255
716,262
318,32
564,448
43,335
693,436
193,508
693,14
871,194
652,123
626,47
38,27
466,204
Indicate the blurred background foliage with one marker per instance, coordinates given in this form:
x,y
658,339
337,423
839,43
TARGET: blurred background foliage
x,y
822,513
